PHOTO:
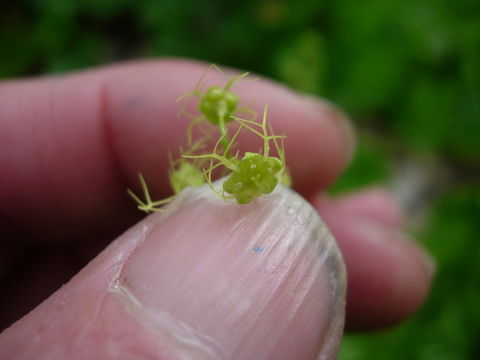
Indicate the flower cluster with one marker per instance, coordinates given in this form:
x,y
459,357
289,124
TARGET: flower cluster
x,y
248,175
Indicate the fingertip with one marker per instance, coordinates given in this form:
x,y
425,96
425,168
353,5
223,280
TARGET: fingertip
x,y
374,203
389,275
263,280
389,278
253,280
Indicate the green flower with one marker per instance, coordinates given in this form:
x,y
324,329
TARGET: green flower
x,y
217,104
186,175
256,175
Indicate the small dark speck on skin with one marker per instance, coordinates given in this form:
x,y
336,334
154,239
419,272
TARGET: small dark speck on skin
x,y
257,249
133,102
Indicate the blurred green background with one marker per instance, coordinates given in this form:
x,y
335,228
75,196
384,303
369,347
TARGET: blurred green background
x,y
407,72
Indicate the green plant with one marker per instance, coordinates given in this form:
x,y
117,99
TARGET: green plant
x,y
247,176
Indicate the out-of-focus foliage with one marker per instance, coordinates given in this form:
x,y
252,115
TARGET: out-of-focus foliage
x,y
410,67
408,73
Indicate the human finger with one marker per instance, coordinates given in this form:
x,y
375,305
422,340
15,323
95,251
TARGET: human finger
x,y
258,281
71,145
389,275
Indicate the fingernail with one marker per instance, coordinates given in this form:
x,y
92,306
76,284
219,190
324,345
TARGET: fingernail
x,y
227,281
333,112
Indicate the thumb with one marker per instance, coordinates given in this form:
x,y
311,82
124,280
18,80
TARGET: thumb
x,y
201,280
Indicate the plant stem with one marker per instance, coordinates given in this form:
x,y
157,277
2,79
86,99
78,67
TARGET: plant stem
x,y
224,140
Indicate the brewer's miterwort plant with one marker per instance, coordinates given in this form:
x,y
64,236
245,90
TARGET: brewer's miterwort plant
x,y
219,124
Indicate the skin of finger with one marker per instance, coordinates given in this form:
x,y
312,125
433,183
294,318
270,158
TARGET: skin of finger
x,y
102,314
388,275
82,319
373,203
71,145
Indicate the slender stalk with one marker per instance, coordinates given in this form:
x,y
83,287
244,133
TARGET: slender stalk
x,y
224,141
